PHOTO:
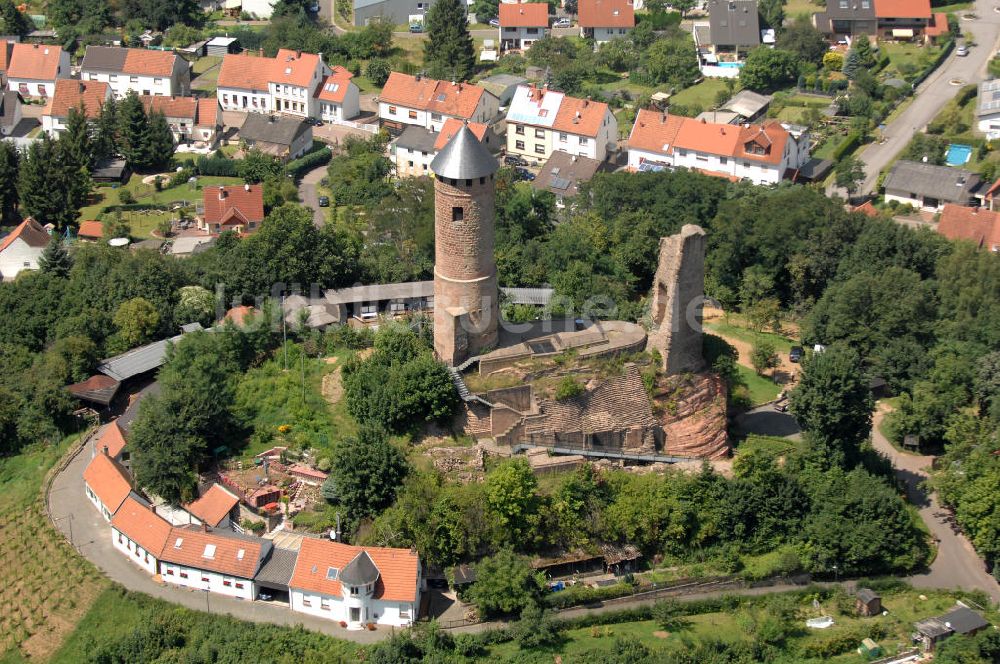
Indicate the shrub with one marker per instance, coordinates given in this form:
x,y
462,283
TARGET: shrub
x,y
125,197
309,161
220,167
377,72
568,388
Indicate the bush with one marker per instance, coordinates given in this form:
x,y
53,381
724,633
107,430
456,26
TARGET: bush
x,y
377,72
307,162
568,388
848,146
214,165
125,197
132,207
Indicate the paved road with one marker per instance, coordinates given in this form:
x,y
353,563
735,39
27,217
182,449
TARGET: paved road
x,y
309,197
957,565
934,93
77,518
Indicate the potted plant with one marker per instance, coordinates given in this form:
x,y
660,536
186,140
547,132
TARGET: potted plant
x,y
371,627
343,623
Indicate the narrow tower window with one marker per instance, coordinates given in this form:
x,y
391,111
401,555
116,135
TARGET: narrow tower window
x,y
457,213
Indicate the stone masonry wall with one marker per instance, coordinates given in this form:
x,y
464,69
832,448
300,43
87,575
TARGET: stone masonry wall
x,y
678,291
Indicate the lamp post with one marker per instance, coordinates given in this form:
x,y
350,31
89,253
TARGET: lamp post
x,y
836,575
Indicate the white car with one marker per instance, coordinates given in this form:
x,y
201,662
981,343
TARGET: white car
x,y
961,50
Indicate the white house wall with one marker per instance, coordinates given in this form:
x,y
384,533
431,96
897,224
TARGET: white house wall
x,y
157,86
133,551
17,257
234,99
330,607
216,583
990,126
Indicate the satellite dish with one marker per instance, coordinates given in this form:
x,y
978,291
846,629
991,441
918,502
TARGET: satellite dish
x,y
119,242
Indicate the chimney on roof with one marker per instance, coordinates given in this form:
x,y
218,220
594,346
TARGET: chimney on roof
x,y
104,450
298,54
204,527
246,187
417,77
222,193
152,508
260,52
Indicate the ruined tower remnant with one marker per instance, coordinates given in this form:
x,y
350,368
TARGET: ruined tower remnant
x,y
678,292
466,306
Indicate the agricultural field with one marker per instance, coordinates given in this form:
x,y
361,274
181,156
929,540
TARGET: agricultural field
x,y
51,588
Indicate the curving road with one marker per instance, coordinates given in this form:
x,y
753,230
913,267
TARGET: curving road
x,y
957,565
934,93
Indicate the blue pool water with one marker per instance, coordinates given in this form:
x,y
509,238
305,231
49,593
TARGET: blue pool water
x,y
958,155
731,65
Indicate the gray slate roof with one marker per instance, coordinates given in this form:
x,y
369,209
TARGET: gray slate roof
x,y
417,138
464,157
734,22
277,570
748,103
138,360
381,292
944,183
359,572
9,102
104,58
866,595
539,297
563,173
277,129
963,620
989,97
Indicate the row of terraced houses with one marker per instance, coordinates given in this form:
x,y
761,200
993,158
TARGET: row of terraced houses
x,y
201,547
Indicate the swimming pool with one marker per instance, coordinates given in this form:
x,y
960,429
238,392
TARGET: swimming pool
x,y
730,65
958,154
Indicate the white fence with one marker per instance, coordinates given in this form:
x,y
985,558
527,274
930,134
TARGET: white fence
x,y
363,126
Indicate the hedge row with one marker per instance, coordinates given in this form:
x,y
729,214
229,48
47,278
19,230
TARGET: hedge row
x,y
134,206
309,161
216,166
847,146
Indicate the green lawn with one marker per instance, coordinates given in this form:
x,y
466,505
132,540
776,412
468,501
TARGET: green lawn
x,y
796,8
201,65
701,95
761,388
903,56
781,344
957,7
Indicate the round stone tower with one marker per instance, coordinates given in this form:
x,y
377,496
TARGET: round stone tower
x,y
466,301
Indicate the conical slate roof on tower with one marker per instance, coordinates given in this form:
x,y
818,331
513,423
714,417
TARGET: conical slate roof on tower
x,y
464,158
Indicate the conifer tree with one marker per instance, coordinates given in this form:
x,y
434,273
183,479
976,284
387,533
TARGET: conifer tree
x,y
159,144
105,142
448,51
133,131
9,161
55,259
75,141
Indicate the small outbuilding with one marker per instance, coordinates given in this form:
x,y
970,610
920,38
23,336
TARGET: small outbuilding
x,y
867,602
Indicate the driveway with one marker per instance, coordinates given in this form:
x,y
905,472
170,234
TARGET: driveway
x,y
309,197
933,94
77,518
957,565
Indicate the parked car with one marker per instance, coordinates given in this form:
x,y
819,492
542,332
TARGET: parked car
x,y
416,27
324,201
961,50
514,160
795,354
562,23
314,8
495,22
525,174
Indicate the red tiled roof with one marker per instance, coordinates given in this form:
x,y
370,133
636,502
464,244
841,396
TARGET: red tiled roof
x,y
524,15
142,525
91,229
982,226
191,547
654,131
938,25
112,438
334,87
451,127
213,506
244,71
238,314
398,569
240,203
903,8
606,14
71,93
108,480
458,100
38,62
580,116
302,469
867,208
151,63
28,230
208,113
171,107
293,67
770,135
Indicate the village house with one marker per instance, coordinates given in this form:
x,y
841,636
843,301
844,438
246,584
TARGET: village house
x,y
139,533
291,83
191,120
978,225
10,112
232,208
929,187
988,109
21,248
563,174
522,24
356,585
604,20
960,620
111,442
396,12
283,137
218,561
33,69
69,94
887,19
902,19
217,508
541,121
734,27
146,72
414,149
427,102
90,230
338,97
763,154
106,483
307,474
